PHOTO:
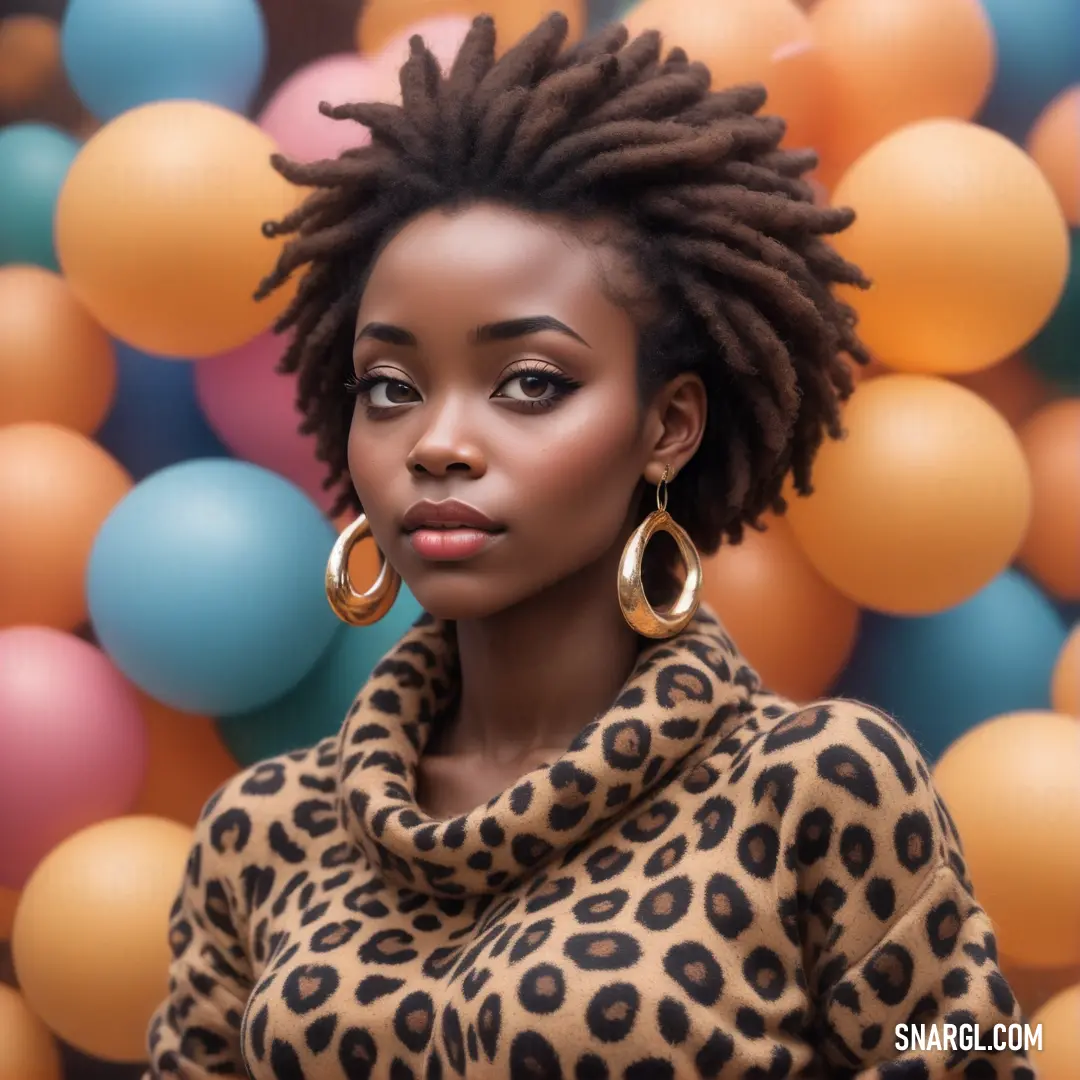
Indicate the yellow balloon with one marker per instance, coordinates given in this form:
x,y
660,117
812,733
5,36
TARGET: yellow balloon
x,y
923,503
1011,786
27,1049
91,943
964,241
1060,1019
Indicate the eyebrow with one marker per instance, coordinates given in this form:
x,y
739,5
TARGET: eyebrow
x,y
506,330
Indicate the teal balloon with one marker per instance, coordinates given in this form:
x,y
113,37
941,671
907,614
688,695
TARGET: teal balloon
x,y
942,674
34,162
316,708
1055,353
604,12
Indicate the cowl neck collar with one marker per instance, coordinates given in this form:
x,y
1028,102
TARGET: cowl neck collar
x,y
683,693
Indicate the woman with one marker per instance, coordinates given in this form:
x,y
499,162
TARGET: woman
x,y
562,833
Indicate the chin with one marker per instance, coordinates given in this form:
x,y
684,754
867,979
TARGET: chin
x,y
455,597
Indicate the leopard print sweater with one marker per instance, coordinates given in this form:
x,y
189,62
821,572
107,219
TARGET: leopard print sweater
x,y
710,882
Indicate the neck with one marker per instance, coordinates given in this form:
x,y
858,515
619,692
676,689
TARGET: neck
x,y
534,675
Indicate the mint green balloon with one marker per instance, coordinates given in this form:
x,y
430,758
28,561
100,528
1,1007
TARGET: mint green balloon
x,y
34,161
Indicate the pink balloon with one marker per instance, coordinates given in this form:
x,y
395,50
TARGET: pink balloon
x,y
252,409
292,118
442,34
73,744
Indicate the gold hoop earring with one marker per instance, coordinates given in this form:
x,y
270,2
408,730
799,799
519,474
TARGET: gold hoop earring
x,y
638,612
358,609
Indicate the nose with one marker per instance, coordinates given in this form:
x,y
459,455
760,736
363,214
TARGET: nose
x,y
448,445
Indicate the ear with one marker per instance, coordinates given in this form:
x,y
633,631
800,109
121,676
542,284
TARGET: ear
x,y
676,425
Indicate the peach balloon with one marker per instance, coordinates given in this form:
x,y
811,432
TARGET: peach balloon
x,y
1013,387
382,20
56,489
9,900
159,228
1054,144
28,1050
1010,784
964,241
892,62
187,763
56,364
922,504
1065,688
1051,548
29,59
1060,1021
743,41
91,943
792,626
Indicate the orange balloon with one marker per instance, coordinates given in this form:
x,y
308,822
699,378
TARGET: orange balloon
x,y
28,1050
1010,784
29,59
380,21
9,900
159,228
792,626
924,502
747,41
1051,549
91,941
1013,387
56,489
1060,1021
56,364
965,243
186,764
892,62
1065,688
1054,143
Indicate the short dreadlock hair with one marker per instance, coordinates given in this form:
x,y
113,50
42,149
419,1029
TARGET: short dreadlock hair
x,y
719,221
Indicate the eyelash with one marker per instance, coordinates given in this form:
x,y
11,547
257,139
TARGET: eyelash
x,y
361,385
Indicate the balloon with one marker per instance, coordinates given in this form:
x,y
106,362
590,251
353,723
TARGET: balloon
x,y
124,53
187,763
1055,353
91,943
316,708
1065,686
793,627
442,35
1060,1021
206,586
155,420
602,13
924,502
964,241
1038,56
892,62
1010,785
27,1048
34,161
29,59
56,488
1051,548
159,228
1054,144
941,674
9,900
56,363
72,744
1012,387
381,20
253,410
742,41
292,118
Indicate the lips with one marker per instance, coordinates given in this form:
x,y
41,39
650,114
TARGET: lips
x,y
447,515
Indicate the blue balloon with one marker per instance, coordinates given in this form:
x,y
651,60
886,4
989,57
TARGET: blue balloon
x,y
34,162
1055,352
155,420
316,708
123,53
603,13
206,586
1038,56
942,674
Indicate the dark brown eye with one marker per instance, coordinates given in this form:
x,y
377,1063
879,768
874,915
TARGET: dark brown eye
x,y
388,392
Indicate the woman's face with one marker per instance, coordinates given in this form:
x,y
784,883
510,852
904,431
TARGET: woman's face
x,y
494,372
